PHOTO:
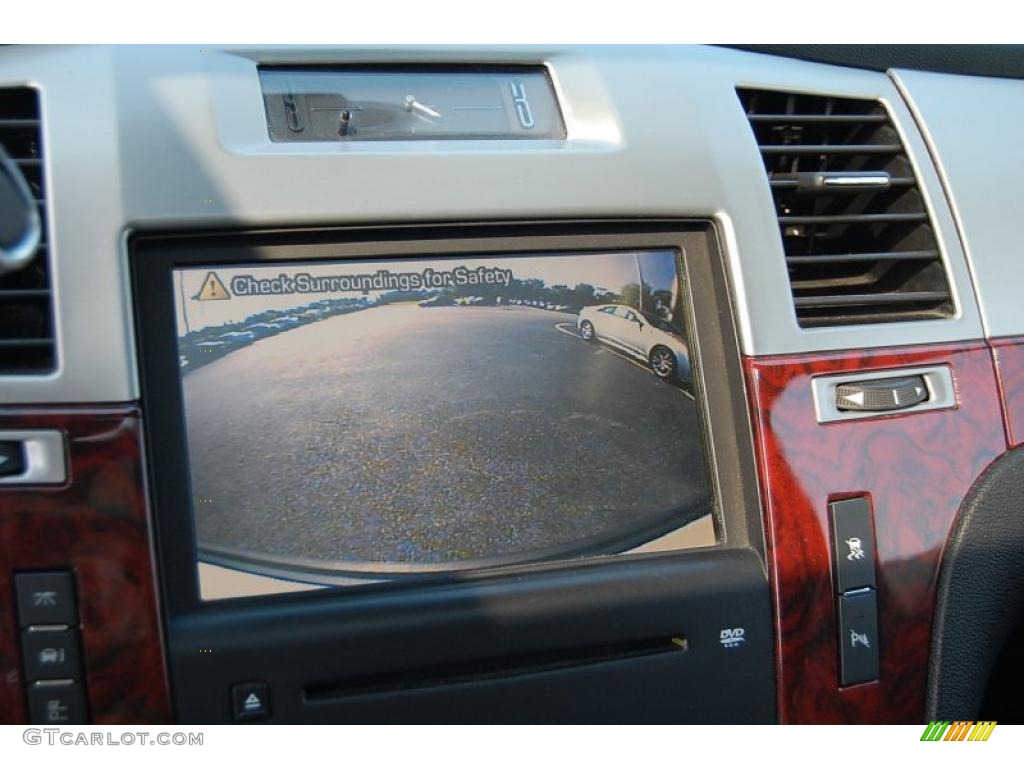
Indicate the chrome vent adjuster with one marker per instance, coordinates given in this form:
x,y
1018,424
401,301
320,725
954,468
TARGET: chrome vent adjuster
x,y
859,245
26,302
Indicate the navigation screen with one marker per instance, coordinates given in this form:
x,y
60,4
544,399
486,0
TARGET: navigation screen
x,y
352,421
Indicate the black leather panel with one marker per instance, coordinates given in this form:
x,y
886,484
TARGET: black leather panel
x,y
986,60
980,597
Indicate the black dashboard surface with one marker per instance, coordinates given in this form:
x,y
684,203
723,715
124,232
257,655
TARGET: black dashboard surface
x,y
983,60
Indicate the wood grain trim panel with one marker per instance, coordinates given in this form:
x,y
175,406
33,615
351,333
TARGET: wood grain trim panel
x,y
915,469
1009,359
95,525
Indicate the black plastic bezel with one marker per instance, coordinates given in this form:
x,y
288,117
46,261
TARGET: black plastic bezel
x,y
154,258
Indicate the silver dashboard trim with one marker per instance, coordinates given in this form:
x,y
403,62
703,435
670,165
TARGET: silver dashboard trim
x,y
938,379
971,125
174,138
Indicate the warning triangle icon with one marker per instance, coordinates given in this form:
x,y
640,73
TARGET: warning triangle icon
x,y
213,289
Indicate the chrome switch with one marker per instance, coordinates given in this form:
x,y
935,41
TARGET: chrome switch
x,y
881,394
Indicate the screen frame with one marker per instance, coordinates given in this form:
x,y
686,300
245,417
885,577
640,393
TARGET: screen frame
x,y
718,381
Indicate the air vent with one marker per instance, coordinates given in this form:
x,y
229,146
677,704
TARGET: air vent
x,y
26,302
858,241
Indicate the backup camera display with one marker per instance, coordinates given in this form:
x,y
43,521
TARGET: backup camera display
x,y
355,419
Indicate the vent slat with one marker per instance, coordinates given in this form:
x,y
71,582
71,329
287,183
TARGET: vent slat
x,y
829,149
782,119
851,258
871,299
40,343
900,181
27,344
856,218
8,122
854,253
14,294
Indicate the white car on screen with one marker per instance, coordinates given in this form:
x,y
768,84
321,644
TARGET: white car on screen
x,y
640,334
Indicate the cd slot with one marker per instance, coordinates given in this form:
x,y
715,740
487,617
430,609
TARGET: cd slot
x,y
492,669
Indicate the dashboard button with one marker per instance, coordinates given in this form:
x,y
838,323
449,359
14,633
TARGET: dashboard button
x,y
853,544
45,598
250,701
51,654
60,703
858,637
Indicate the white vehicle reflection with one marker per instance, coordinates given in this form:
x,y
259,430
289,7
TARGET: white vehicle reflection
x,y
640,334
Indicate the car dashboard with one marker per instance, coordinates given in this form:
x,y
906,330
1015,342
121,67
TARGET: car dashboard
x,y
508,384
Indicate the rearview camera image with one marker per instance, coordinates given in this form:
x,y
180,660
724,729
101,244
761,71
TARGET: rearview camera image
x,y
358,420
